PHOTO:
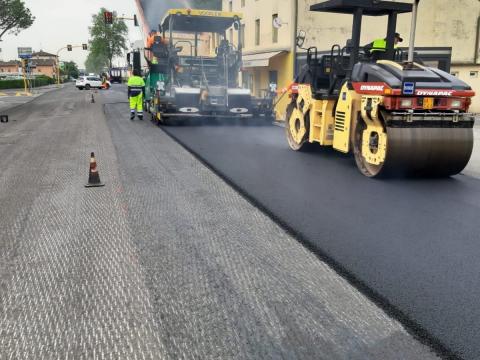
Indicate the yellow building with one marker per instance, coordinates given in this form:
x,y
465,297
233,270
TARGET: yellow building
x,y
268,51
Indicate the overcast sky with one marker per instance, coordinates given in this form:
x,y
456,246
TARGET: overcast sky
x,y
62,22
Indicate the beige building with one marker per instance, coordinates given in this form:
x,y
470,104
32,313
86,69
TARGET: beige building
x,y
42,62
9,67
268,50
267,55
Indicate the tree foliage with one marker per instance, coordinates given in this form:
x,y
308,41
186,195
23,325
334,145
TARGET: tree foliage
x,y
70,69
14,17
107,42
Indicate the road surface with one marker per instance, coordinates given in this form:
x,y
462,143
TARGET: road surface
x,y
167,260
411,244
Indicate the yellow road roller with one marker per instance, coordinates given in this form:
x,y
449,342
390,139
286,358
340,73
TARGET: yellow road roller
x,y
397,116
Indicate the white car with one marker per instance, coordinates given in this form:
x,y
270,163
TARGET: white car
x,y
88,82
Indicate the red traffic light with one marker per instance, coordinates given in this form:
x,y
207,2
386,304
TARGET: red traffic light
x,y
108,17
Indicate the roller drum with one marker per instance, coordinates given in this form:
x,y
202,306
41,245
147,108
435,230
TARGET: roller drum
x,y
419,151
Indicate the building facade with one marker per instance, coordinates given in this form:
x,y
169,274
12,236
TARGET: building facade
x,y
267,49
44,63
41,63
9,67
269,53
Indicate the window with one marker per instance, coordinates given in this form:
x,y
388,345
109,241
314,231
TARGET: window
x,y
431,63
243,3
230,6
474,74
273,77
454,73
274,29
257,32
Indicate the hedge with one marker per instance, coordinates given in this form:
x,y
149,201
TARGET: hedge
x,y
18,83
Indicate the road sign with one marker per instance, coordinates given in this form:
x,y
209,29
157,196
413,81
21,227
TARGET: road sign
x,y
24,52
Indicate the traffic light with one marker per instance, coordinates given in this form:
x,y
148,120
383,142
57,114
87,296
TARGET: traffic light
x,y
108,17
84,46
69,47
135,20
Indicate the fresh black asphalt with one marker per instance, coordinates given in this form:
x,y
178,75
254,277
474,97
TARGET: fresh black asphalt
x,y
412,244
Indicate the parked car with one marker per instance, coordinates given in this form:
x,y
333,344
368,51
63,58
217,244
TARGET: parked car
x,y
88,82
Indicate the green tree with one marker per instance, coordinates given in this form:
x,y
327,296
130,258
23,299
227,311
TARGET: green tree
x,y
107,42
70,69
95,62
14,17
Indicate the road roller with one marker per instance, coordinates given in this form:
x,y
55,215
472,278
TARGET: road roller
x,y
396,115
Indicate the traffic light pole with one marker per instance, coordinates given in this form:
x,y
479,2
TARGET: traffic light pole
x,y
25,81
134,19
58,58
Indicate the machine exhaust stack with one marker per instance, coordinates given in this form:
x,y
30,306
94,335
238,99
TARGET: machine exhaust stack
x,y
413,29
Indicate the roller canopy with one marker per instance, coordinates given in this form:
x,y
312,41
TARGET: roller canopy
x,y
199,20
370,7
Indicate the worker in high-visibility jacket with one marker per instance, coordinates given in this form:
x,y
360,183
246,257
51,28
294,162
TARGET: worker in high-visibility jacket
x,y
136,90
378,47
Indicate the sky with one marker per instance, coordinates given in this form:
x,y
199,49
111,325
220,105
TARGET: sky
x,y
62,22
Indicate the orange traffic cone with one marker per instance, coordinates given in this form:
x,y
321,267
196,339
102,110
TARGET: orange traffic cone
x,y
93,176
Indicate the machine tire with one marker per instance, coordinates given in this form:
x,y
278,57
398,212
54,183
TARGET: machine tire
x,y
87,87
303,144
365,168
165,121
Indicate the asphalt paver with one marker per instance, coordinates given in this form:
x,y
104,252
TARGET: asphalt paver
x,y
410,244
165,261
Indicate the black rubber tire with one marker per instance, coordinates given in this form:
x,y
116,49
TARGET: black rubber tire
x,y
87,87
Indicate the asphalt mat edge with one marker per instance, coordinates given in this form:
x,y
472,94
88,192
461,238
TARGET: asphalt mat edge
x,y
411,326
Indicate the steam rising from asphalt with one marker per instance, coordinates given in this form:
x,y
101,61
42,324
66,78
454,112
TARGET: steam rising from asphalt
x,y
155,10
